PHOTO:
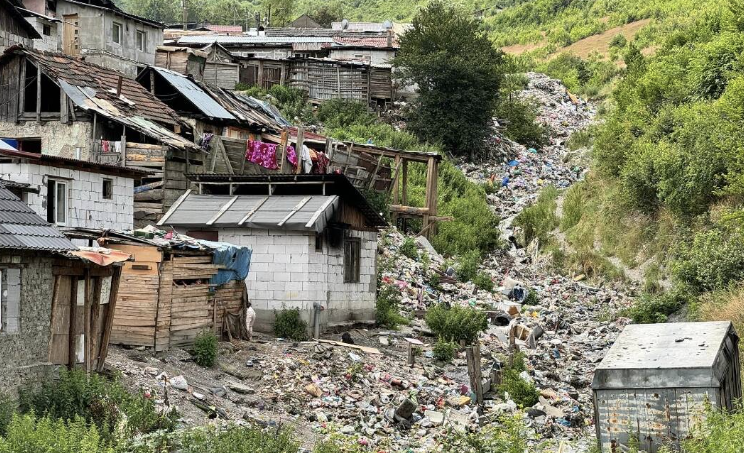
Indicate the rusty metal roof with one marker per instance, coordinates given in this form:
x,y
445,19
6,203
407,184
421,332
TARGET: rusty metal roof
x,y
22,229
192,92
94,88
375,42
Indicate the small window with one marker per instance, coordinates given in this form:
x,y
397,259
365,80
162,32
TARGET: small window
x,y
352,259
116,33
108,189
141,41
46,29
57,202
318,242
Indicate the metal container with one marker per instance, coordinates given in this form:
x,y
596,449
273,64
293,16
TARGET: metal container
x,y
653,383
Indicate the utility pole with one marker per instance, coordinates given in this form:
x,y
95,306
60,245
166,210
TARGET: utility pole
x,y
185,15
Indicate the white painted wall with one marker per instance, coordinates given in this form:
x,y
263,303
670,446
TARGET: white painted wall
x,y
374,56
86,206
286,270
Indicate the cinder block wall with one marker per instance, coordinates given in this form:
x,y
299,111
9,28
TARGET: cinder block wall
x,y
287,271
86,205
24,335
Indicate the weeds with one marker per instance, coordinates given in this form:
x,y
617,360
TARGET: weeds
x,y
205,349
387,308
409,248
522,392
456,324
289,324
444,351
538,220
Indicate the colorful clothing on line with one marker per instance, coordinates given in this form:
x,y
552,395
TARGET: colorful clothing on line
x,y
321,165
263,154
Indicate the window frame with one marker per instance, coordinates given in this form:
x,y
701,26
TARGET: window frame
x,y
55,202
141,46
116,37
352,260
110,194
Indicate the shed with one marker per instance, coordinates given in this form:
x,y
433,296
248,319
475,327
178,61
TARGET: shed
x,y
654,381
168,292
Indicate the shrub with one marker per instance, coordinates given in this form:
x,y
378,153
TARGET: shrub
x,y
467,268
205,349
538,220
520,391
618,41
289,324
656,308
387,307
483,281
237,439
341,113
521,122
98,401
719,432
507,434
444,351
27,434
456,323
531,298
409,248
712,260
7,409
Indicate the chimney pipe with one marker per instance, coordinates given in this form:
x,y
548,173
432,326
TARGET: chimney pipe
x,y
390,38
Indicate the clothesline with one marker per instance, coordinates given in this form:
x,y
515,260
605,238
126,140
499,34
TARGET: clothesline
x,y
264,154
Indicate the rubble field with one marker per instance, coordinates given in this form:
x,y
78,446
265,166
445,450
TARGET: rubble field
x,y
368,389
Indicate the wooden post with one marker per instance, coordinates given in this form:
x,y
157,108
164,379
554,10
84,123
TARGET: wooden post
x,y
411,359
108,323
124,150
283,146
373,176
474,371
298,151
260,74
87,324
404,190
21,92
73,315
38,94
394,185
431,194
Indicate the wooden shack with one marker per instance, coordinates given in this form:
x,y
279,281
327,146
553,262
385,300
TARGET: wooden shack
x,y
166,298
183,60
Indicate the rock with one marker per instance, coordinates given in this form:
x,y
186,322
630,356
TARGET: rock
x,y
346,338
534,413
151,371
219,391
458,401
240,388
405,409
321,417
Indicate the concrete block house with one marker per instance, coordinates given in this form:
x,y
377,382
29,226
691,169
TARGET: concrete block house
x,y
73,193
98,30
314,242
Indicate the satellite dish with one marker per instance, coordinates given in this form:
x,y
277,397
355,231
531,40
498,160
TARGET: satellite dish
x,y
387,24
345,24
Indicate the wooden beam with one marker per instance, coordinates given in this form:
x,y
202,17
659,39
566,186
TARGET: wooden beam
x,y
55,302
412,210
222,210
294,210
283,148
253,211
430,192
38,94
175,206
373,176
87,322
108,323
71,362
298,151
404,184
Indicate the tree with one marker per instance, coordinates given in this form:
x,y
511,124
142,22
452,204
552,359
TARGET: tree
x,y
327,13
282,11
159,10
458,72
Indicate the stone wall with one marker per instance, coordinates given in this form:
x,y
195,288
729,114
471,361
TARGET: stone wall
x,y
287,271
86,206
57,139
24,347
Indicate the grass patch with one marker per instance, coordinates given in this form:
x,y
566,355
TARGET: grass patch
x,y
538,220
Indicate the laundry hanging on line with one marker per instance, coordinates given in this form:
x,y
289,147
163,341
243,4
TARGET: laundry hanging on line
x,y
264,154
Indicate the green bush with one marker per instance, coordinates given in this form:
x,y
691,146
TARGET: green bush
x,y
719,432
7,409
520,391
521,122
444,351
26,434
467,267
237,439
507,434
408,248
531,298
289,324
387,308
105,403
483,281
656,308
205,348
538,220
712,260
341,113
457,323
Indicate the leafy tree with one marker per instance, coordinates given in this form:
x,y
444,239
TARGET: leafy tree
x,y
458,73
327,13
282,11
159,10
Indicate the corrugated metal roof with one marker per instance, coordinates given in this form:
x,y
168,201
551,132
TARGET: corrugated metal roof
x,y
375,42
22,229
224,39
685,354
197,96
288,212
226,28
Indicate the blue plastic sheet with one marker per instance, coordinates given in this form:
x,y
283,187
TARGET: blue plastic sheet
x,y
235,259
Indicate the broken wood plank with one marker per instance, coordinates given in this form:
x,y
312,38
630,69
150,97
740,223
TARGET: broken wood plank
x,y
352,346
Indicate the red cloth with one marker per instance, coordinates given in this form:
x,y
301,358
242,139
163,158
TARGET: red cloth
x,y
321,165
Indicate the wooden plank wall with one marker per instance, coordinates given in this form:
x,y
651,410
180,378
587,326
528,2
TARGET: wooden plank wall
x,y
228,298
163,319
323,80
177,165
137,302
10,74
223,75
192,308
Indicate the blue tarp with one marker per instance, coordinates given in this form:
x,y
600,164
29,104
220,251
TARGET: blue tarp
x,y
235,259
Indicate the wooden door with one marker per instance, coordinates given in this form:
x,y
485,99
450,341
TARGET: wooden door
x,y
70,34
59,343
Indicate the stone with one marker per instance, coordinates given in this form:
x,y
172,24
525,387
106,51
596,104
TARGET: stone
x,y
405,409
179,382
240,388
436,417
314,390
